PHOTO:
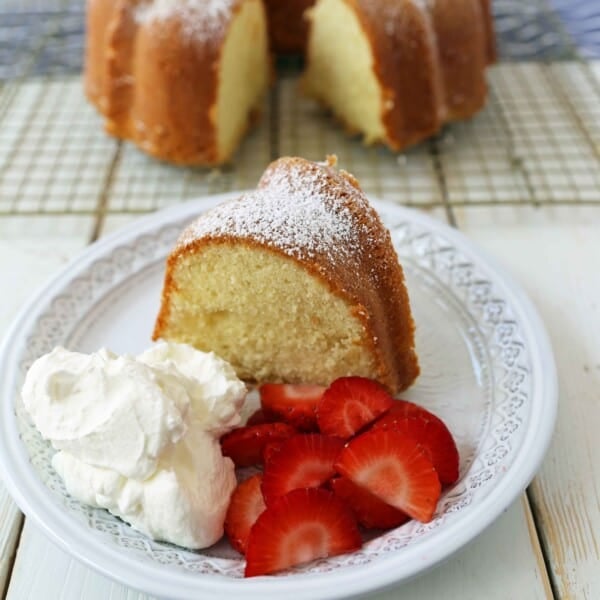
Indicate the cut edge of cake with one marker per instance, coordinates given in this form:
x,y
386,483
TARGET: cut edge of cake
x,y
295,282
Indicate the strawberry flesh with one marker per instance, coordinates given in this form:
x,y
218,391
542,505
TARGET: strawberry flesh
x,y
291,403
270,450
394,468
298,527
351,403
244,508
403,408
302,461
258,417
245,445
436,439
370,511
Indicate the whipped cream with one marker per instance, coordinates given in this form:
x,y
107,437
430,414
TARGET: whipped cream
x,y
139,436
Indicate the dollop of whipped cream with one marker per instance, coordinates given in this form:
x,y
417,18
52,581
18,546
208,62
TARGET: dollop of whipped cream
x,y
139,436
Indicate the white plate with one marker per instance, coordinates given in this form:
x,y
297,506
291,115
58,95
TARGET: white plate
x,y
487,370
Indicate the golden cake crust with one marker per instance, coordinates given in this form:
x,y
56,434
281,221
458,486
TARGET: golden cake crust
x,y
155,77
288,28
154,73
462,58
429,60
407,66
351,253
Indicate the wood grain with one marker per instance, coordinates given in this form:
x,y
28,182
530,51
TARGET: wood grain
x,y
10,528
555,254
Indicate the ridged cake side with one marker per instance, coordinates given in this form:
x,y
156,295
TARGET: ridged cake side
x,y
414,64
180,78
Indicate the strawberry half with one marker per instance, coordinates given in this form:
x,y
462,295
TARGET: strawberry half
x,y
435,438
245,506
395,468
294,404
302,461
270,450
245,445
258,417
301,526
370,511
349,404
404,408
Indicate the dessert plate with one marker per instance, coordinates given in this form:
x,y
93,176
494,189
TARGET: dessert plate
x,y
487,370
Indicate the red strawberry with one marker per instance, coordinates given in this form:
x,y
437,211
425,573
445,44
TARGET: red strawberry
x,y
302,461
349,404
435,438
404,408
394,468
258,417
294,404
270,450
245,506
245,445
301,526
370,511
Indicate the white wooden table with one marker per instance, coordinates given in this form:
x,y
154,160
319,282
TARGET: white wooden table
x,y
64,184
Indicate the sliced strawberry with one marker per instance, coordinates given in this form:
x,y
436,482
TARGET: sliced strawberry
x,y
302,461
370,511
270,450
435,438
301,526
349,404
245,445
245,506
294,404
258,417
395,468
404,408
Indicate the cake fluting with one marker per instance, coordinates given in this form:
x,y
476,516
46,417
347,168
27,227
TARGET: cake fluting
x,y
288,28
183,79
395,72
297,281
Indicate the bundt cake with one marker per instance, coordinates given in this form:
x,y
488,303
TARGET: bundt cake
x,y
287,26
183,78
180,78
396,71
297,281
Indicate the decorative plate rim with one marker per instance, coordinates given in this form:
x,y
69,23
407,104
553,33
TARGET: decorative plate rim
x,y
32,496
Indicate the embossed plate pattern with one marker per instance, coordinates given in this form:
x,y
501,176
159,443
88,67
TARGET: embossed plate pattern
x,y
487,369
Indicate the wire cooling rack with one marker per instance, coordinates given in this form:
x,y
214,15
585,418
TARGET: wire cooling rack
x,y
537,141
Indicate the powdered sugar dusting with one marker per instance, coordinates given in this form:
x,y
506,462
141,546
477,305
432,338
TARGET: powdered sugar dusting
x,y
200,19
302,212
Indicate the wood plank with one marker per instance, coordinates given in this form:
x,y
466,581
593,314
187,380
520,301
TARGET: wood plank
x,y
31,250
555,254
44,571
10,528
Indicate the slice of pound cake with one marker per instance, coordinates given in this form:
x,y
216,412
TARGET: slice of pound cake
x,y
297,281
